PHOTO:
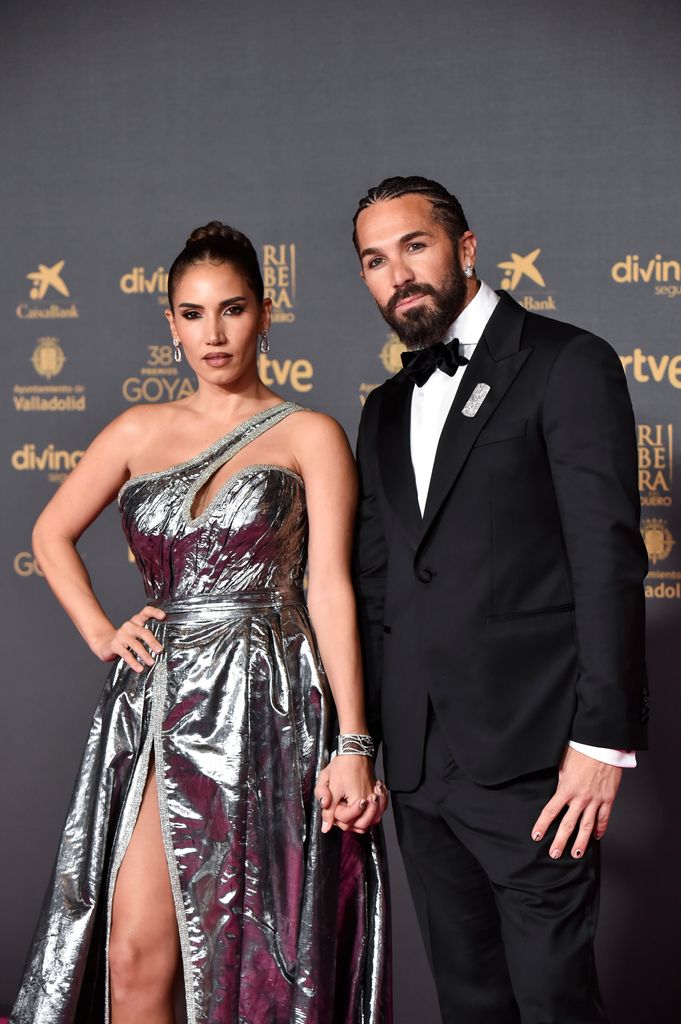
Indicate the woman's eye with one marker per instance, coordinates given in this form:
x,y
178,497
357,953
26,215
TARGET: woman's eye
x,y
234,310
191,314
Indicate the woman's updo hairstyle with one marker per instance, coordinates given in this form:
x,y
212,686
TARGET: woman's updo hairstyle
x,y
217,243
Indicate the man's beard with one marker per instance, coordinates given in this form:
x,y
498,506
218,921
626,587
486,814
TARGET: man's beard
x,y
424,326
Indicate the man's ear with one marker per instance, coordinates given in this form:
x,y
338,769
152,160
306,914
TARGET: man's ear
x,y
468,248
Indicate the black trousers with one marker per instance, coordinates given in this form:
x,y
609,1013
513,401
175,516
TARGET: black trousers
x,y
509,932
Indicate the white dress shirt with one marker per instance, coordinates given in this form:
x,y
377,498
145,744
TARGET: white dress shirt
x,y
430,407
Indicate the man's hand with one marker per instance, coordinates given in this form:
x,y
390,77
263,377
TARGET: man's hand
x,y
348,814
588,789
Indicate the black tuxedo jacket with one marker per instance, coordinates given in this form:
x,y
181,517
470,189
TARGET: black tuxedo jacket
x,y
516,602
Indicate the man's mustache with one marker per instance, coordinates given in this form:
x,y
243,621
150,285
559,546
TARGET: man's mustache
x,y
408,292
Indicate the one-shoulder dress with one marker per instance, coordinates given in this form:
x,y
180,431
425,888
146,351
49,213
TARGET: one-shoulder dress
x,y
278,923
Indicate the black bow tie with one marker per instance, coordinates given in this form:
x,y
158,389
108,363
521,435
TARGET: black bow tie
x,y
419,365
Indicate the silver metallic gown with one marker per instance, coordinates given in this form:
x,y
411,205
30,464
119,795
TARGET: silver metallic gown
x,y
278,923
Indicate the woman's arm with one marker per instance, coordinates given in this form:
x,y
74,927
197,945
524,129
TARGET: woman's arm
x,y
88,489
328,470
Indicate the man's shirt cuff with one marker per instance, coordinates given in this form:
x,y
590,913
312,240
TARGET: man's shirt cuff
x,y
618,758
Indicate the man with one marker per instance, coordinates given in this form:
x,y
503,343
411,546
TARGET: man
x,y
499,578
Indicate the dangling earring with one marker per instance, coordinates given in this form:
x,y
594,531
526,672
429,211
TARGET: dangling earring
x,y
468,270
177,350
264,342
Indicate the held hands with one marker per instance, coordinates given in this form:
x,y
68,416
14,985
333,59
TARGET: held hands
x,y
132,641
587,788
349,794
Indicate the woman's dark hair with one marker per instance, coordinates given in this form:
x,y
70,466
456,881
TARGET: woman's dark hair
x,y
446,207
217,243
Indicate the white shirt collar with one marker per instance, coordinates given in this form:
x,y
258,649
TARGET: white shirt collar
x,y
472,320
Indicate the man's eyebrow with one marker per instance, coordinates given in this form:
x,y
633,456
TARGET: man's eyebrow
x,y
369,251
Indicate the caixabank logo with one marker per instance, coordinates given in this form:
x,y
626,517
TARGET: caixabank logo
x,y
48,360
390,355
662,583
46,293
279,278
141,281
661,275
523,278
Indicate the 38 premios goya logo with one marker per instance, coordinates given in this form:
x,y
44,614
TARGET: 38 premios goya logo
x,y
48,360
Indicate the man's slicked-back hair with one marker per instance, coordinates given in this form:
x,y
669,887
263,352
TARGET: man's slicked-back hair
x,y
446,207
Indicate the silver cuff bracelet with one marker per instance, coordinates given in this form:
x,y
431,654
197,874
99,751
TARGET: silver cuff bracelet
x,y
355,743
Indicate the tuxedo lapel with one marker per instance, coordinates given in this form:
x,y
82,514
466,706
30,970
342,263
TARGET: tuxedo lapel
x,y
394,452
496,362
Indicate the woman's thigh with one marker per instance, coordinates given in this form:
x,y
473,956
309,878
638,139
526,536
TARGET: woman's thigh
x,y
144,924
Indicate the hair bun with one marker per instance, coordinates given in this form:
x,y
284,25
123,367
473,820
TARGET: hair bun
x,y
214,229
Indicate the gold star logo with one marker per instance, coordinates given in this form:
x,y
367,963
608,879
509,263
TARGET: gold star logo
x,y
518,267
47,277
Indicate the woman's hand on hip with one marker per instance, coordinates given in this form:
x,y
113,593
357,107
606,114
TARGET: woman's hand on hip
x,y
133,641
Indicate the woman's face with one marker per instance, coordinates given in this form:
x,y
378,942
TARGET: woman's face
x,y
217,319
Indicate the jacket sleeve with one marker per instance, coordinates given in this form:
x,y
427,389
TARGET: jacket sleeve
x,y
370,563
590,437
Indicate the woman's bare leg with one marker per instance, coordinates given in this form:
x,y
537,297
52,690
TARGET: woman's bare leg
x,y
144,951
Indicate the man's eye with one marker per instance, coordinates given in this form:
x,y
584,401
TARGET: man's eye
x,y
415,246
375,262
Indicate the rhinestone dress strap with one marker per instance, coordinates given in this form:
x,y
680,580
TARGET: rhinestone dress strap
x,y
266,417
221,458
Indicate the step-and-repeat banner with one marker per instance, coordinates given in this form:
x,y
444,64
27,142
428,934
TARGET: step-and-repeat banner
x,y
128,125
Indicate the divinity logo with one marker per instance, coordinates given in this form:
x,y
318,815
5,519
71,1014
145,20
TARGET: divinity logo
x,y
665,275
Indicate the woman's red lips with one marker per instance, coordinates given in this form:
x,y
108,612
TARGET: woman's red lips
x,y
217,357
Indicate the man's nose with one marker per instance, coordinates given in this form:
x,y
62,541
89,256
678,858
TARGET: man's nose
x,y
402,273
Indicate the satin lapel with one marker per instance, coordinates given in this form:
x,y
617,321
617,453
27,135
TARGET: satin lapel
x,y
501,339
394,452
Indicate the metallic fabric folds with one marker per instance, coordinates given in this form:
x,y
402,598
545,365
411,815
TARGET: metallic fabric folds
x,y
278,923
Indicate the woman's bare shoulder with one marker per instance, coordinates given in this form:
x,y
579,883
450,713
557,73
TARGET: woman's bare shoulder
x,y
313,428
142,421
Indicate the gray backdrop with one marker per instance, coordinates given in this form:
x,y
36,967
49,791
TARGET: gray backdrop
x,y
126,125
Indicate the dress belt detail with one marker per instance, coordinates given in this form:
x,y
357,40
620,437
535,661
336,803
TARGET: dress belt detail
x,y
204,607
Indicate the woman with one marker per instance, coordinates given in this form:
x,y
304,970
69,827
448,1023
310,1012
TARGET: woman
x,y
194,844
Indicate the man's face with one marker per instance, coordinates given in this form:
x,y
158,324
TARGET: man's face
x,y
411,268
